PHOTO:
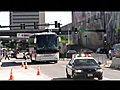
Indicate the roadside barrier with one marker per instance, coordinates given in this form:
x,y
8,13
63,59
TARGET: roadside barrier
x,y
26,66
115,63
11,75
38,71
22,64
100,57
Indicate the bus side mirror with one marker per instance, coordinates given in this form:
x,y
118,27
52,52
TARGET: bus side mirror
x,y
35,40
59,39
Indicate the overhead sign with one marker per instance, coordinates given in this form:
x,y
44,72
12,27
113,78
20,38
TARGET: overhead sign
x,y
23,35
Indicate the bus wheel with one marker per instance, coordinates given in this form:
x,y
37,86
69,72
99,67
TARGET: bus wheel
x,y
56,61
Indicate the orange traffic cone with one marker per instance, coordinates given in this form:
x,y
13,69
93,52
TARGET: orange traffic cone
x,y
22,64
26,66
38,71
11,76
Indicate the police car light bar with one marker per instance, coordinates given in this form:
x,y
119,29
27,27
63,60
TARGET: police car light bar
x,y
85,55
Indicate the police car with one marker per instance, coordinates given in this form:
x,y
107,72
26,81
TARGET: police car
x,y
84,66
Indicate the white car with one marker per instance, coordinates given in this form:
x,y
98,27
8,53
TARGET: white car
x,y
19,54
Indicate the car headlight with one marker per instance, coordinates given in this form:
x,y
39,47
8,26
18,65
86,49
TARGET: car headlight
x,y
99,70
78,70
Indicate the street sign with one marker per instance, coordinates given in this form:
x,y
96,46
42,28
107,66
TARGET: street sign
x,y
23,35
92,30
84,31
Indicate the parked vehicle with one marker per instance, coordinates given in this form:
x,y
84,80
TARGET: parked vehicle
x,y
20,54
101,50
114,51
87,51
70,52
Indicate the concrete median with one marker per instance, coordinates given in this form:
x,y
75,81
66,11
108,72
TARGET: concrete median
x,y
101,57
115,63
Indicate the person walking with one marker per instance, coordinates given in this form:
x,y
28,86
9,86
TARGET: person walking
x,y
7,55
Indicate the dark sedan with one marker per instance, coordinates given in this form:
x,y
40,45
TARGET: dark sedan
x,y
87,51
69,53
84,68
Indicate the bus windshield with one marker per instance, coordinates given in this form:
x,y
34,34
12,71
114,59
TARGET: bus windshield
x,y
48,42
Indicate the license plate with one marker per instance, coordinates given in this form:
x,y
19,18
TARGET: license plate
x,y
89,75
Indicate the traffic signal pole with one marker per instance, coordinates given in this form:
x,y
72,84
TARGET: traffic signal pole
x,y
105,33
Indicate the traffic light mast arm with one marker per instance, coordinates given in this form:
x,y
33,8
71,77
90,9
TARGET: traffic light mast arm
x,y
44,24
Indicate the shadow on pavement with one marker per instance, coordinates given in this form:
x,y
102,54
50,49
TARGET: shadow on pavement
x,y
30,63
66,79
113,68
7,64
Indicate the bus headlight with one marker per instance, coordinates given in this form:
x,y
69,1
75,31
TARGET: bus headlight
x,y
99,70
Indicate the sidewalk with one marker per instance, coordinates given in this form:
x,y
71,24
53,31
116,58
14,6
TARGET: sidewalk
x,y
20,73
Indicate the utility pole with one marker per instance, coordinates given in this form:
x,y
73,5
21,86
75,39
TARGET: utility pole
x,y
86,40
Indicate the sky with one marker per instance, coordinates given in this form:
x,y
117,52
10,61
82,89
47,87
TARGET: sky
x,y
64,17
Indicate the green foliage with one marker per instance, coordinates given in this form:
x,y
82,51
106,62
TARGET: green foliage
x,y
63,40
117,31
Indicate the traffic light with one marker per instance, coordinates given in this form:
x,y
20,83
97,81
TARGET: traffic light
x,y
56,24
107,44
22,26
35,25
59,32
104,41
76,31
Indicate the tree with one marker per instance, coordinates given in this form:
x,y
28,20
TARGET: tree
x,y
63,40
117,33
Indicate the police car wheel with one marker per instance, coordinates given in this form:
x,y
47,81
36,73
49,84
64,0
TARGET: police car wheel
x,y
100,78
68,76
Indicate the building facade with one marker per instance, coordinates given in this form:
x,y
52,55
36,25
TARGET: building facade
x,y
27,18
94,21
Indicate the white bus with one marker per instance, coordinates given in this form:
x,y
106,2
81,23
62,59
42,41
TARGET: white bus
x,y
44,47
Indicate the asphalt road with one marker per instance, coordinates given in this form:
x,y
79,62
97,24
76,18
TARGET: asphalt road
x,y
57,71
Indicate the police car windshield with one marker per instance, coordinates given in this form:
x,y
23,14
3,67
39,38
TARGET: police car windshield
x,y
85,62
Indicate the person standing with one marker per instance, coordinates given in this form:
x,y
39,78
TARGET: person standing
x,y
7,55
